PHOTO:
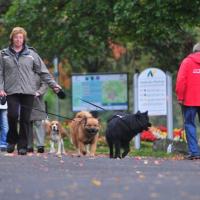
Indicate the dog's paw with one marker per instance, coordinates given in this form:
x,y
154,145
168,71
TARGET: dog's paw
x,y
64,153
52,151
59,155
91,155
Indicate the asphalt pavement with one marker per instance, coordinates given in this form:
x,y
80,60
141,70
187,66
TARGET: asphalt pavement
x,y
46,176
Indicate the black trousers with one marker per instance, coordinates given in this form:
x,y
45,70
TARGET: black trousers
x,y
19,112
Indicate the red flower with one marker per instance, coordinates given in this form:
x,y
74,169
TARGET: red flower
x,y
162,128
147,136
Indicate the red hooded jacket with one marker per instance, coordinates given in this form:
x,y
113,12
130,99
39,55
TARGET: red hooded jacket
x,y
188,80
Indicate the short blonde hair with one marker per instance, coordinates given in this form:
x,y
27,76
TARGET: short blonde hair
x,y
17,30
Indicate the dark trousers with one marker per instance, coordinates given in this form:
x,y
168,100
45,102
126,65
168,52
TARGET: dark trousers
x,y
19,110
190,113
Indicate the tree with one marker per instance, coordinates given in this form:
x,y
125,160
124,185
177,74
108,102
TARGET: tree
x,y
77,30
163,28
159,32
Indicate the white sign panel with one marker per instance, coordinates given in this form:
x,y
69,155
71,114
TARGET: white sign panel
x,y
152,92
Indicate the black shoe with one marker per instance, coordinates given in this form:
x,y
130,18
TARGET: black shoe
x,y
192,157
30,150
40,149
22,151
10,148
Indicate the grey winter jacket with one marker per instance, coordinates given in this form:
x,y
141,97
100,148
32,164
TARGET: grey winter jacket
x,y
17,73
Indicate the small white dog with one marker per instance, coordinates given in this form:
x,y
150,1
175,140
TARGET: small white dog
x,y
57,133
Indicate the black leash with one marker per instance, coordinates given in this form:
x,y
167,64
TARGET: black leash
x,y
48,113
119,116
93,104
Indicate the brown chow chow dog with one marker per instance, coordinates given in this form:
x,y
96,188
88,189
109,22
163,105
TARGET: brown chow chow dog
x,y
84,130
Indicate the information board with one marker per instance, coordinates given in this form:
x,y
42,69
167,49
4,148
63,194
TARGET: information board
x,y
107,91
152,92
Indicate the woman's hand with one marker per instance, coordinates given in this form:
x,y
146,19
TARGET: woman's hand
x,y
2,93
180,102
57,88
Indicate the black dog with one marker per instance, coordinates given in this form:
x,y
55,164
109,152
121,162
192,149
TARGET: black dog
x,y
121,129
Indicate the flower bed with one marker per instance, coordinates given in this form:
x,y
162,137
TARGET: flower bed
x,y
160,132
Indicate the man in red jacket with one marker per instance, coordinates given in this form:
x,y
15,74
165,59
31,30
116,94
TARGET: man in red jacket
x,y
188,95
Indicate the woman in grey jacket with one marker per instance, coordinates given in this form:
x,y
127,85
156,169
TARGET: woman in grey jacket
x,y
18,66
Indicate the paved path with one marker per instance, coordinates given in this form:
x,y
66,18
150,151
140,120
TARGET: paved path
x,y
49,177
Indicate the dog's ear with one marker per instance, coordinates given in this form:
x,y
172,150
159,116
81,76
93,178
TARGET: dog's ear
x,y
62,130
59,126
99,120
146,112
84,121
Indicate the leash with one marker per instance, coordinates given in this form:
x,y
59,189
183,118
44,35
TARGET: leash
x,y
48,113
93,104
119,116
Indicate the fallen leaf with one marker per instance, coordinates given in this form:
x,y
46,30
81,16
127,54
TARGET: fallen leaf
x,y
73,186
146,162
116,195
50,194
45,157
117,179
37,196
160,175
61,161
141,176
96,182
126,188
154,195
63,194
156,162
138,158
17,190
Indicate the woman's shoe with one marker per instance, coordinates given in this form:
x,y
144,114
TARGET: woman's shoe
x,y
30,150
40,149
22,151
10,148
